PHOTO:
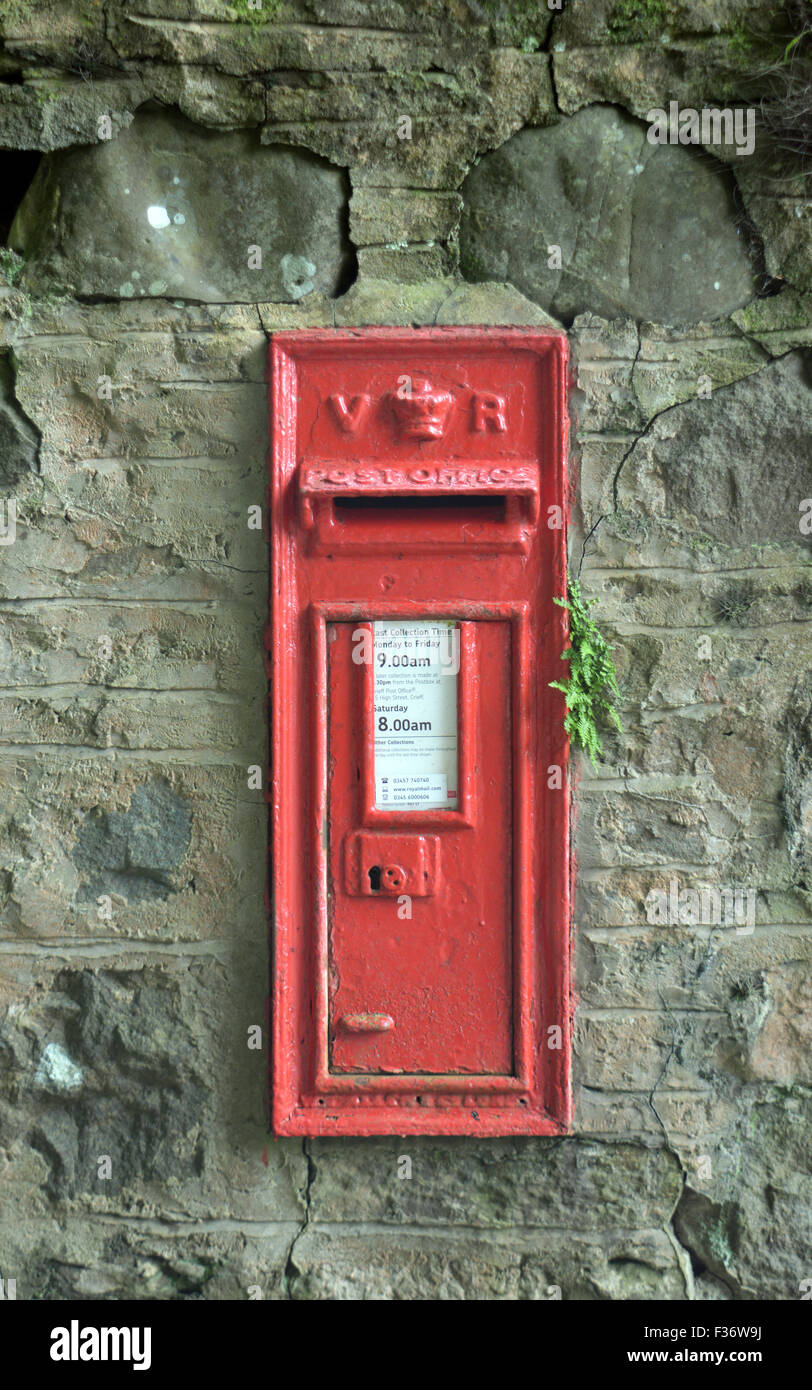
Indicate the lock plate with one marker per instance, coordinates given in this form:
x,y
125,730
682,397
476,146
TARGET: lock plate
x,y
386,865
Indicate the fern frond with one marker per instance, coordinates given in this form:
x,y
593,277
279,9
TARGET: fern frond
x,y
592,675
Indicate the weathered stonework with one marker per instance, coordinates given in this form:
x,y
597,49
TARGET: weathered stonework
x,y
171,198
579,216
133,438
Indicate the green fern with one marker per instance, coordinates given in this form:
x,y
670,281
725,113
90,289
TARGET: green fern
x,y
11,265
592,677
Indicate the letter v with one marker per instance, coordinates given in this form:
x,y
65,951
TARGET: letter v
x,y
349,418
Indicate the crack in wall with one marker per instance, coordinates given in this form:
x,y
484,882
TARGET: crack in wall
x,y
769,360
30,434
292,1271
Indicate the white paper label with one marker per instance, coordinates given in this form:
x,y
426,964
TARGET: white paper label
x,y
416,666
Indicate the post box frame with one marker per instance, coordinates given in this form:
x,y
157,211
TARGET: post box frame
x,y
307,1097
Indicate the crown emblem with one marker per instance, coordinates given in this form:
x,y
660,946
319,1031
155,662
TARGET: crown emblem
x,y
420,410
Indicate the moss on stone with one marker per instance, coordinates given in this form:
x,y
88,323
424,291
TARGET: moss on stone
x,y
11,265
636,21
260,12
723,367
776,313
472,266
32,505
14,11
518,23
741,43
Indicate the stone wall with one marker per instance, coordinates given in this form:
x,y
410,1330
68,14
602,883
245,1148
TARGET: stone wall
x,y
409,163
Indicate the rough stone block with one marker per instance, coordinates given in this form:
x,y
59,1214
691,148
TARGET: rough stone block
x,y
95,836
405,265
642,76
683,462
181,647
156,1077
560,213
163,210
516,1183
348,1266
379,216
116,1259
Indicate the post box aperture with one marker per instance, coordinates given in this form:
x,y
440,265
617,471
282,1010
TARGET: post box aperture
x,y
420,866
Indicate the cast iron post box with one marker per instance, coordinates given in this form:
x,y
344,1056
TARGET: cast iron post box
x,y
420,867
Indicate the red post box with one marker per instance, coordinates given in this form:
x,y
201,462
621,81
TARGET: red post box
x,y
420,868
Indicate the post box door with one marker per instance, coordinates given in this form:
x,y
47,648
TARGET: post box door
x,y
420,902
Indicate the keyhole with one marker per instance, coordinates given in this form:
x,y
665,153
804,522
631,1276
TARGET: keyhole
x,y
375,878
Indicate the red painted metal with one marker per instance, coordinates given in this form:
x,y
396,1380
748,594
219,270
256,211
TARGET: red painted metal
x,y
421,955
